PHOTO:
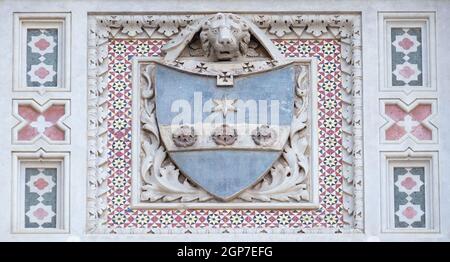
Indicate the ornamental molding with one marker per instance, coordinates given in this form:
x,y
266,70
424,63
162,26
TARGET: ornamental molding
x,y
347,28
427,159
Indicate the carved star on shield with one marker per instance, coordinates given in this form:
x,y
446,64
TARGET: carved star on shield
x,y
224,105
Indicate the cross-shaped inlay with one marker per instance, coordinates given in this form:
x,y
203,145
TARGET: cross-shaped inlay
x,y
38,122
41,124
225,79
272,63
248,67
413,122
178,63
201,67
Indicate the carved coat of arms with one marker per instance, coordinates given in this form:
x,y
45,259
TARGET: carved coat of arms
x,y
223,118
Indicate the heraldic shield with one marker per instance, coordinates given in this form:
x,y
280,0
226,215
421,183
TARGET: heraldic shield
x,y
224,139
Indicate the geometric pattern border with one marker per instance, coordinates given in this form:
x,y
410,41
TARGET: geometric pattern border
x,y
345,27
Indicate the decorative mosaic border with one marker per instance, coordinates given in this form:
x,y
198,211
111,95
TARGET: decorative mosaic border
x,y
123,213
346,28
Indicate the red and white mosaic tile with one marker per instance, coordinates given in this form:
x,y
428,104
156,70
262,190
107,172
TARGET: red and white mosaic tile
x,y
42,57
40,198
406,56
409,197
329,215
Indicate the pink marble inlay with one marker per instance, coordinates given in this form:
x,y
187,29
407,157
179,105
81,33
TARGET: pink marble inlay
x,y
395,132
409,212
41,73
406,43
394,112
40,213
407,72
422,133
54,113
408,122
30,114
42,44
421,112
408,183
48,123
55,133
40,183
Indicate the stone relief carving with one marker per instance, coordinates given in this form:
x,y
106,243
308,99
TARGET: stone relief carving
x,y
162,179
224,135
184,136
316,25
344,27
222,37
225,37
347,29
287,180
264,135
135,26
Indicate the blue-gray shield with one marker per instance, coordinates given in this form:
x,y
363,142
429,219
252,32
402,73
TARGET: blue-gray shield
x,y
224,170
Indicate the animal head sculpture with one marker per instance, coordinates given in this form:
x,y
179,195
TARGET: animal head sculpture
x,y
224,37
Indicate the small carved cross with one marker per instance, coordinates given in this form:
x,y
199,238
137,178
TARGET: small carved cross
x,y
179,63
225,79
248,67
272,63
201,67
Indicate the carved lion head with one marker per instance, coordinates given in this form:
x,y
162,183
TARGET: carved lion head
x,y
225,37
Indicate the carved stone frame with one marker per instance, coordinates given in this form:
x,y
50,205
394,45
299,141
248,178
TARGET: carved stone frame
x,y
308,82
347,28
41,159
